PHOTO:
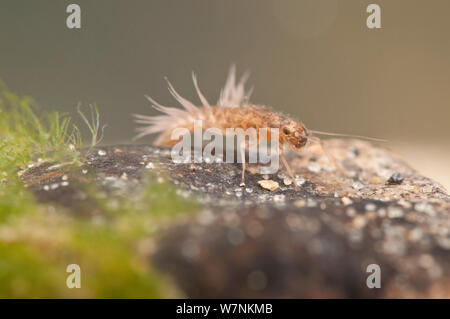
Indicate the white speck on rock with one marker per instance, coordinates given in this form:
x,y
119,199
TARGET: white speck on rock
x,y
314,167
346,201
425,208
427,189
357,186
299,181
279,198
370,207
395,212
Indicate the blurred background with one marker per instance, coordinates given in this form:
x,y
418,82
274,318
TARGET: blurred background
x,y
313,59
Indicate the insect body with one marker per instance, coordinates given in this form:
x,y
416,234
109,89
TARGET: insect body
x,y
233,110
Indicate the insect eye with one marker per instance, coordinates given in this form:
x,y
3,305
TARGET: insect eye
x,y
286,131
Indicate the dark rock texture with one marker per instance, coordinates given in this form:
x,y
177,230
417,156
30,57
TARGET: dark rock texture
x,y
315,242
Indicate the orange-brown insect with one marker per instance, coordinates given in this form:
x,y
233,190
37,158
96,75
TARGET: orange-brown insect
x,y
233,110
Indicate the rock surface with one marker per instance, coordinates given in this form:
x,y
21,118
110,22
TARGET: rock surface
x,y
252,242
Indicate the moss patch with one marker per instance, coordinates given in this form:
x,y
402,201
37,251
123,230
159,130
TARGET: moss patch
x,y
38,241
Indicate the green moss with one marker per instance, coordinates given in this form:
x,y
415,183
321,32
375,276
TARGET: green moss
x,y
24,274
25,135
111,267
36,247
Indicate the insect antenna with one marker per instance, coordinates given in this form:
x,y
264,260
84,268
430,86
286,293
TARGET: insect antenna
x,y
348,135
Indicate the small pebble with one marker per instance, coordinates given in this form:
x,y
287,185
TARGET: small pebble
x,y
150,165
395,179
358,186
287,181
268,184
299,181
346,201
101,153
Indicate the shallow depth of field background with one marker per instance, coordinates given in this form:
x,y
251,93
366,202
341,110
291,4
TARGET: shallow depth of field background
x,y
313,59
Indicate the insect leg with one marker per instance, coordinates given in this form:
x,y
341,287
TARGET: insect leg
x,y
327,154
288,168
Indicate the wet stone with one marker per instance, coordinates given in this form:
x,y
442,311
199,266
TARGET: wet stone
x,y
254,243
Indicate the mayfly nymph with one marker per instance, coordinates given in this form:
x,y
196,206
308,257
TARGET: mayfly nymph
x,y
232,110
